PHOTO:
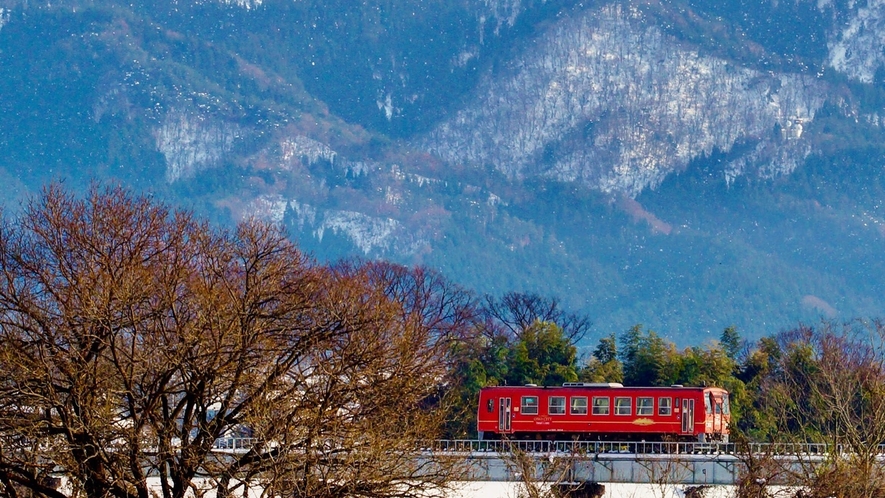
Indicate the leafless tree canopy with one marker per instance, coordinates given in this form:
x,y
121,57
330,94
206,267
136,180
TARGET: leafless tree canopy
x,y
516,312
424,295
132,338
828,386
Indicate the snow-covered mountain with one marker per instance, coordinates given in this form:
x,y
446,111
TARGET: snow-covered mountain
x,y
606,99
680,164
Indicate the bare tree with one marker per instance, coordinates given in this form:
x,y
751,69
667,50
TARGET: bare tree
x,y
356,427
134,338
539,477
829,387
760,470
442,307
516,312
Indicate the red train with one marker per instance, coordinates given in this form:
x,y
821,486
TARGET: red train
x,y
604,412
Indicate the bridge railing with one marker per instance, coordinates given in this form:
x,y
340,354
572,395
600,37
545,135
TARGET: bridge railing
x,y
629,447
475,446
576,447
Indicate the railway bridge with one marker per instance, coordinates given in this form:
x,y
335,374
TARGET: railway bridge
x,y
610,461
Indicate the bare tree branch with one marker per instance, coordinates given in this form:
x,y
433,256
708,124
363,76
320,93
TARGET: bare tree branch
x,y
134,338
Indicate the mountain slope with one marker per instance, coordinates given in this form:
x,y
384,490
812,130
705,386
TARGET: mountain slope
x,y
609,101
680,164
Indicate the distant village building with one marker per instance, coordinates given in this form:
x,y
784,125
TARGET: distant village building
x,y
793,128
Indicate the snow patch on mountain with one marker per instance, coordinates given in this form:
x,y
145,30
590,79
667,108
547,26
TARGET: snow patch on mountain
x,y
268,207
301,147
608,100
246,4
856,48
193,142
368,233
505,12
372,235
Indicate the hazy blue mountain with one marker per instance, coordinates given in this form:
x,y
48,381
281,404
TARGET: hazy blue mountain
x,y
683,164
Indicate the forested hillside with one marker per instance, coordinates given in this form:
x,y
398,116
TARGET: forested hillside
x,y
681,164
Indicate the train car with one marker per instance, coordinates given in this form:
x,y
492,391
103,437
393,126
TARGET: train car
x,y
604,412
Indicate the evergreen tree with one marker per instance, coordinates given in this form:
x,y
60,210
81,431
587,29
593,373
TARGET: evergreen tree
x,y
604,366
607,349
648,359
543,356
731,342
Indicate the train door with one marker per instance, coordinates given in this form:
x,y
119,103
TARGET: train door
x,y
504,415
687,415
717,413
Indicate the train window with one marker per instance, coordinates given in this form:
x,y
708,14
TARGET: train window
x,y
490,405
579,405
645,406
726,409
665,408
529,405
600,405
623,406
556,405
708,407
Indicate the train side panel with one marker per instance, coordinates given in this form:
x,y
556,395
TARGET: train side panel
x,y
604,412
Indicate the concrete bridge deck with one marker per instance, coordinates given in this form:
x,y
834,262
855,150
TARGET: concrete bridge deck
x,y
607,461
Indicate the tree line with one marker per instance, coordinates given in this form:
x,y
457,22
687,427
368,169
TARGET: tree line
x,y
134,338
822,383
